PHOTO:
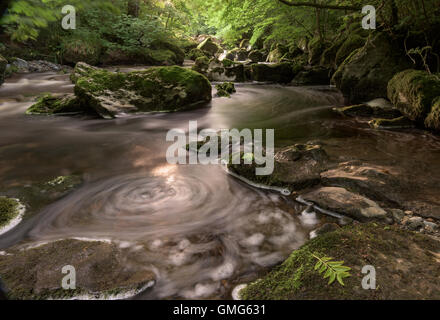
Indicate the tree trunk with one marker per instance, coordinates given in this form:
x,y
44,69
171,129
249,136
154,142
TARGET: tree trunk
x,y
133,8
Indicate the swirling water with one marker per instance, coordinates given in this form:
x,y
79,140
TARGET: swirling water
x,y
199,229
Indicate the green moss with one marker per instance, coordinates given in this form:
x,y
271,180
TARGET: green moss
x,y
357,245
195,53
202,64
8,210
225,89
413,91
351,44
49,104
396,123
209,47
432,121
76,49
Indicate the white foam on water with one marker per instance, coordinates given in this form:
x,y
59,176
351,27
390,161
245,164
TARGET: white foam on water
x,y
201,290
254,240
236,292
224,271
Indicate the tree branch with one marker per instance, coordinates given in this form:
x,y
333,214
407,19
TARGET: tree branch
x,y
319,6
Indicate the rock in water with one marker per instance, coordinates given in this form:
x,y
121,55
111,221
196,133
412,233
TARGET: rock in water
x,y
155,89
280,73
56,104
225,89
209,47
347,203
364,75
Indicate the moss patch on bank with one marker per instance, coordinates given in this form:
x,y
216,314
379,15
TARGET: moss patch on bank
x,y
397,256
8,210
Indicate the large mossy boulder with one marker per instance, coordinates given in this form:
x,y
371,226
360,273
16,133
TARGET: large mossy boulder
x,y
280,73
364,75
56,104
413,93
316,47
195,53
396,255
76,50
3,64
154,89
209,47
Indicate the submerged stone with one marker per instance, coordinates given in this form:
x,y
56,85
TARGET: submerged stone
x,y
154,89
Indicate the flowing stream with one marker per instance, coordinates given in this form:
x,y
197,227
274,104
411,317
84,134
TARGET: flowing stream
x,y
202,231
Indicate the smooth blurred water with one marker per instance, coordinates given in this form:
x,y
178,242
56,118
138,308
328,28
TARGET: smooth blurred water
x,y
200,230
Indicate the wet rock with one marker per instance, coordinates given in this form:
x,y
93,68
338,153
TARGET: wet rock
x,y
413,92
398,215
296,167
431,225
312,76
101,271
397,123
352,43
345,202
315,49
56,104
225,89
370,109
277,54
3,64
414,223
238,54
22,66
398,254
209,47
365,74
153,89
280,73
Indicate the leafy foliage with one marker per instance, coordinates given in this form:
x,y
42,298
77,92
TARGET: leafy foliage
x,y
333,270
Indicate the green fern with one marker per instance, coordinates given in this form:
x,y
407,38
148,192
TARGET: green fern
x,y
333,270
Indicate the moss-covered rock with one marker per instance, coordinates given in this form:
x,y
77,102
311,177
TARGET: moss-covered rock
x,y
296,168
196,53
225,89
312,76
101,270
315,49
352,43
3,64
209,47
396,255
76,50
9,210
56,104
396,123
153,89
364,75
237,54
413,92
276,55
280,73
432,121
